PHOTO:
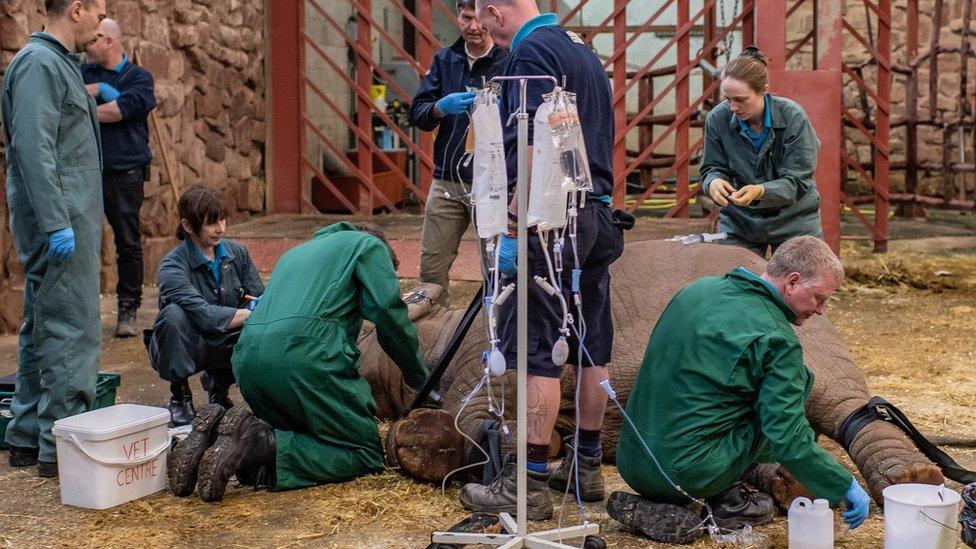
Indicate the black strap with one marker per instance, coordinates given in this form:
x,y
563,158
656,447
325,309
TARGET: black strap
x,y
452,346
880,409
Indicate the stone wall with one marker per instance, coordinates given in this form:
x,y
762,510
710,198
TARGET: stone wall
x,y
207,58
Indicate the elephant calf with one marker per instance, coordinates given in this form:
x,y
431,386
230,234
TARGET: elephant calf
x,y
643,281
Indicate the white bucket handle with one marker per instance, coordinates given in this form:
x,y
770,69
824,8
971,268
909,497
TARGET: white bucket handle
x,y
118,461
940,523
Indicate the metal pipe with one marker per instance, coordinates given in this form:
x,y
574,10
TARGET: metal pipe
x,y
934,60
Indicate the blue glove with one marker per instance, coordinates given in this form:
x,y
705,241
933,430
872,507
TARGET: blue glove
x,y
507,255
455,103
253,303
857,502
107,92
61,244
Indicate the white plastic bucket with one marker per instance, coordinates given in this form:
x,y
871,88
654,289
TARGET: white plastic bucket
x,y
920,516
109,456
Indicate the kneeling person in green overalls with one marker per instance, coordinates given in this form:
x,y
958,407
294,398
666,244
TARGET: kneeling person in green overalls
x,y
297,366
723,387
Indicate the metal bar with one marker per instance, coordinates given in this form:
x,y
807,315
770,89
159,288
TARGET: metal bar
x,y
572,12
881,171
846,157
622,50
364,95
324,179
863,85
803,42
911,108
425,54
661,178
355,129
620,105
883,148
417,25
682,100
390,40
749,23
934,60
365,53
441,7
284,90
772,40
860,215
305,184
796,5
617,10
364,105
882,19
878,58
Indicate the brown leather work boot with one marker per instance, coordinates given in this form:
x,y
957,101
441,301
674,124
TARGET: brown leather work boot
x,y
499,496
245,444
590,476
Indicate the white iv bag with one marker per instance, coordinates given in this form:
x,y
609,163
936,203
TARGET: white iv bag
x,y
567,138
489,185
547,198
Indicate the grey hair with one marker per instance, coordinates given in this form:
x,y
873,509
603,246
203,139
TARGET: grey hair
x,y
807,255
464,5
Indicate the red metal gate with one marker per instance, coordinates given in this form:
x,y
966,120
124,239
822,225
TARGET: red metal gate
x,y
659,108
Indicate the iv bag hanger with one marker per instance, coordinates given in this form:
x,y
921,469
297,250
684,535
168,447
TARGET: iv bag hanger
x,y
517,535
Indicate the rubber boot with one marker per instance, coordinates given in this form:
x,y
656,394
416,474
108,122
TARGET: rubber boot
x,y
590,476
739,505
217,384
181,410
22,457
47,469
244,443
661,522
500,495
184,460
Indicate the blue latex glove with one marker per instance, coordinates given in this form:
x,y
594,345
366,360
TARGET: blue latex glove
x,y
61,244
107,92
507,255
253,303
857,502
455,103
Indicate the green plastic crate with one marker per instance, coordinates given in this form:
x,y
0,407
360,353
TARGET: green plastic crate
x,y
105,389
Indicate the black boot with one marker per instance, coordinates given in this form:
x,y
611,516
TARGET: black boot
x,y
244,444
47,469
184,460
739,505
662,522
125,325
181,410
217,384
22,457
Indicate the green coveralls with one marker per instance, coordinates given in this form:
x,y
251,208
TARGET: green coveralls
x,y
297,362
784,165
54,181
723,386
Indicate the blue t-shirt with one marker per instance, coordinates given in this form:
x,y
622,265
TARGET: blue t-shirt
x,y
541,47
220,254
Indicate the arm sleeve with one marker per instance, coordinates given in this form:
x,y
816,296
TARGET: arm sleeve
x,y
800,148
381,305
422,108
249,275
780,408
715,161
137,98
37,93
176,287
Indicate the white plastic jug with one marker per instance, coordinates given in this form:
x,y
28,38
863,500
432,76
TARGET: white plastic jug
x,y
811,524
920,516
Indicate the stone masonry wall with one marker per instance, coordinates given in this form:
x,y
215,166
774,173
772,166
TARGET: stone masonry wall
x,y
207,58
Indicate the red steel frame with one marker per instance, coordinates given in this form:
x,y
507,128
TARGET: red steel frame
x,y
292,173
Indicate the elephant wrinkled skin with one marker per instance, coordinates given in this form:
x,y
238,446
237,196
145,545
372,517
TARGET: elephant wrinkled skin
x,y
643,281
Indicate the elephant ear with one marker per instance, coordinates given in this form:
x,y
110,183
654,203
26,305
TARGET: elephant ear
x,y
422,299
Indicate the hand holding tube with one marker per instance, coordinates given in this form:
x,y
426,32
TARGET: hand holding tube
x,y
747,195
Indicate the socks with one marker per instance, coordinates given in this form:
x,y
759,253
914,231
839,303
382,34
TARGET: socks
x,y
589,443
537,458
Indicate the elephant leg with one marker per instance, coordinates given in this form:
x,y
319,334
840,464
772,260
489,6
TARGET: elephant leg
x,y
777,482
886,456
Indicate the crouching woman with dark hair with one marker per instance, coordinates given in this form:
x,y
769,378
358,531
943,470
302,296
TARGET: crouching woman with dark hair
x,y
207,288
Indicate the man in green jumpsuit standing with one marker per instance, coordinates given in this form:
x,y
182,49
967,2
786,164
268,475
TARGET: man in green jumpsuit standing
x,y
297,366
723,387
54,193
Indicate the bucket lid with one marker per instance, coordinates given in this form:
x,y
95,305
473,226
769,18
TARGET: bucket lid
x,y
112,422
921,495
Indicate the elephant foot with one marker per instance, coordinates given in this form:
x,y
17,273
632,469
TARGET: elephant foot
x,y
777,482
424,445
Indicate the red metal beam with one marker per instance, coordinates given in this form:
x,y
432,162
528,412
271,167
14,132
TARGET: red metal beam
x,y
284,149
425,55
882,130
619,104
772,40
681,103
364,105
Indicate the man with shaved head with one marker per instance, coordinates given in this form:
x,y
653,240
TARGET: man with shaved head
x,y
124,92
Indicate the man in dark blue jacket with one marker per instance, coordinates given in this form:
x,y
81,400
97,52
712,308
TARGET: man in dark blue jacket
x,y
539,46
442,102
124,93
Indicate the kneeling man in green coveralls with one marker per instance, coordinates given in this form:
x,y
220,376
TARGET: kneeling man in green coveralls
x,y
723,387
297,366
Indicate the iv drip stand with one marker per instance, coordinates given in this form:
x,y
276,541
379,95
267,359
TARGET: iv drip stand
x,y
516,535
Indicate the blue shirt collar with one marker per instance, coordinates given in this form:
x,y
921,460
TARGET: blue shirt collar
x,y
542,20
758,138
122,63
219,255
